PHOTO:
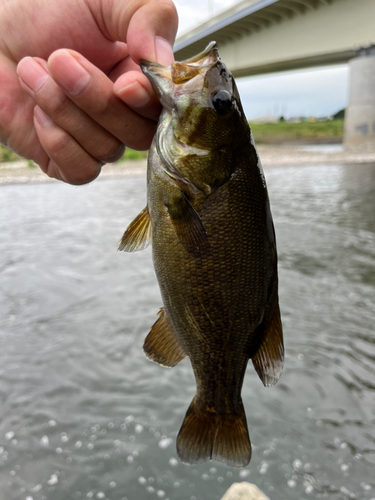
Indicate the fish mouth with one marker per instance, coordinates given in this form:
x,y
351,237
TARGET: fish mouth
x,y
160,78
209,53
163,78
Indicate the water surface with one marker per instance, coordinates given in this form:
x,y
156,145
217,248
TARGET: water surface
x,y
85,415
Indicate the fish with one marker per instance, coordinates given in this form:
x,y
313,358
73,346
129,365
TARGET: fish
x,y
209,222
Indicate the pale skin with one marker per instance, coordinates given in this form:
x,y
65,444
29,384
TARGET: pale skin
x,y
72,94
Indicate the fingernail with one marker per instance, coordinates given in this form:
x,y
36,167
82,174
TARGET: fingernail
x,y
69,73
134,94
164,52
41,117
32,74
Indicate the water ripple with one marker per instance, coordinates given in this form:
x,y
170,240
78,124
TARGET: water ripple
x,y
86,415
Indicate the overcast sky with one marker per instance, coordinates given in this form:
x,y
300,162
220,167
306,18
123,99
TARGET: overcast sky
x,y
313,92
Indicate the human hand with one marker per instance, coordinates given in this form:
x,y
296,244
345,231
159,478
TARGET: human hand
x,y
64,111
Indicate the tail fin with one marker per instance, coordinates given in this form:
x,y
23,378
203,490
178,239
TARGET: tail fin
x,y
205,435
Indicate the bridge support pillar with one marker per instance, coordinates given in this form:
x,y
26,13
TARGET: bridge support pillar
x,y
360,113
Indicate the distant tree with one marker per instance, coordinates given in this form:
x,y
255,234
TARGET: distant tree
x,y
281,119
340,115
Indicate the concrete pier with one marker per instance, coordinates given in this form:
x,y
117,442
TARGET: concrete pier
x,y
360,113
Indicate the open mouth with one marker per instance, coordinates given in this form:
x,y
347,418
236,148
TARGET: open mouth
x,y
163,77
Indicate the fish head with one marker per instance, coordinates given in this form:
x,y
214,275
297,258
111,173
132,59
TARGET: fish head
x,y
201,99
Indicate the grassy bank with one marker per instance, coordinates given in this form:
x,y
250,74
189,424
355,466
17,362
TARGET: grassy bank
x,y
6,155
280,132
264,133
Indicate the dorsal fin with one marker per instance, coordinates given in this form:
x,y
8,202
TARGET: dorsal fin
x,y
269,358
161,344
138,234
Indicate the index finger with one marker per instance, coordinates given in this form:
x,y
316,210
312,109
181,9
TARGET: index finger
x,y
92,91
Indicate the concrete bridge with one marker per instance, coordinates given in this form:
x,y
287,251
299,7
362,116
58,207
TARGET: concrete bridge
x,y
262,36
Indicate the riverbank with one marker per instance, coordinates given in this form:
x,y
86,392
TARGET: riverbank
x,y
307,132
20,172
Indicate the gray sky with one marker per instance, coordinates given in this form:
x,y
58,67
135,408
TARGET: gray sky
x,y
312,92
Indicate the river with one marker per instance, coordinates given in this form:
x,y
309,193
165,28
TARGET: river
x,y
84,415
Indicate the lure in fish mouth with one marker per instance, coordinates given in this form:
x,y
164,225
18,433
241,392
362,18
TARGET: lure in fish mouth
x,y
214,251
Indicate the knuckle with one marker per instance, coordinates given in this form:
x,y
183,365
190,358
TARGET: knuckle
x,y
52,170
57,105
87,173
59,145
43,165
67,160
109,153
167,11
103,106
141,142
170,9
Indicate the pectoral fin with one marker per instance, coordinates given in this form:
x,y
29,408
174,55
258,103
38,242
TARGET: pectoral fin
x,y
138,234
161,344
188,224
269,359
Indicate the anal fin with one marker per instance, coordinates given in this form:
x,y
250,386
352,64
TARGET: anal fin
x,y
138,234
161,344
269,358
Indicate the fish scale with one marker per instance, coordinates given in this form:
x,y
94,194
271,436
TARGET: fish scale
x,y
214,251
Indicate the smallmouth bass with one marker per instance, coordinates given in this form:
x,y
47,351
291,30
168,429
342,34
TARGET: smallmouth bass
x,y
214,252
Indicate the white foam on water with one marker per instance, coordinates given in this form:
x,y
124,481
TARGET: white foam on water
x,y
53,479
165,442
64,437
263,468
297,463
44,441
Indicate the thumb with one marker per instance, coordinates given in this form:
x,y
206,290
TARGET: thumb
x,y
147,26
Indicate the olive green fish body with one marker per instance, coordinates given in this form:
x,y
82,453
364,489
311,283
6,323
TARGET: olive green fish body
x,y
214,254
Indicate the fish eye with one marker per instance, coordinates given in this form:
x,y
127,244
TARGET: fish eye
x,y
222,102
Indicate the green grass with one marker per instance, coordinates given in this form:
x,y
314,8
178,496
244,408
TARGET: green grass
x,y
6,155
267,133
131,154
264,133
